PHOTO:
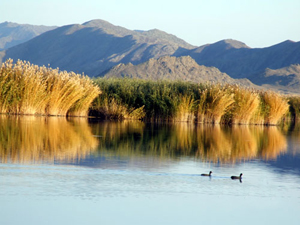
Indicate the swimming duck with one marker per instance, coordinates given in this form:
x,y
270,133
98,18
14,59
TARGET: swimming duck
x,y
204,174
237,177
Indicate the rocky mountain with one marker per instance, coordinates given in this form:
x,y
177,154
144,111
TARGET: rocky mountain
x,y
286,79
173,68
94,47
12,34
239,61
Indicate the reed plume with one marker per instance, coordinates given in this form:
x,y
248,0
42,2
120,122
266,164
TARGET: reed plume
x,y
276,107
29,89
246,102
217,101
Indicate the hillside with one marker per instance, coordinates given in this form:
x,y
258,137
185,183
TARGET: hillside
x,y
173,68
239,61
286,79
94,47
12,34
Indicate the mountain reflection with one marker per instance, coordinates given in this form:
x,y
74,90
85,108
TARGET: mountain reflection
x,y
34,139
205,142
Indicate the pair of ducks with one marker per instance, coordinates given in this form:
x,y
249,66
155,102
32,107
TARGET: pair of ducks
x,y
232,177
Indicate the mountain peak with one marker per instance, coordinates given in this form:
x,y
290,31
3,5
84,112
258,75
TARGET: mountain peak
x,y
172,68
108,27
230,43
97,23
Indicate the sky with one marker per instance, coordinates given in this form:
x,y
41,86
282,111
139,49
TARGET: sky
x,y
257,23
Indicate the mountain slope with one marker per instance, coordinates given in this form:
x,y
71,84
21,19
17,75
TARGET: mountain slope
x,y
12,34
94,47
173,68
286,79
240,61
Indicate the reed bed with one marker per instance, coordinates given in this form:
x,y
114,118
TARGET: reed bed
x,y
188,102
29,89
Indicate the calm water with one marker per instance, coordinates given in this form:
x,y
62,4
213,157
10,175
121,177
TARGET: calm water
x,y
59,171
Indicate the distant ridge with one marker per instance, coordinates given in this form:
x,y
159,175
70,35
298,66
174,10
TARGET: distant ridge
x,y
172,68
239,61
286,79
12,34
96,46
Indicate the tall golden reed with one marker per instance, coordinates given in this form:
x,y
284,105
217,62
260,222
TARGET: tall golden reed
x,y
30,89
216,100
184,109
246,102
276,107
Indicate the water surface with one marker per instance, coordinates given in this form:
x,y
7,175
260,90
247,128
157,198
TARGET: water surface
x,y
59,171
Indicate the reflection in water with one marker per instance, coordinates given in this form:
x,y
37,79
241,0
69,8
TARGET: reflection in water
x,y
33,139
208,143
293,131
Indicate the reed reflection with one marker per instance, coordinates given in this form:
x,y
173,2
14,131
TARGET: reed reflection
x,y
205,142
35,139
293,132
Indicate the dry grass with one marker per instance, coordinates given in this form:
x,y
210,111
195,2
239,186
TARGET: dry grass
x,y
217,101
30,89
246,103
276,107
184,109
110,108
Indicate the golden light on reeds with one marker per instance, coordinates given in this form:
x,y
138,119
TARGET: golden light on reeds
x,y
276,107
44,139
184,109
189,102
217,100
246,102
30,89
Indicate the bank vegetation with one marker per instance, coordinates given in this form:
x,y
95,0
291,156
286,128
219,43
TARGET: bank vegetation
x,y
191,102
27,89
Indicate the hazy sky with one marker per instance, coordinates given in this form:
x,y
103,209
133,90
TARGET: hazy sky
x,y
257,23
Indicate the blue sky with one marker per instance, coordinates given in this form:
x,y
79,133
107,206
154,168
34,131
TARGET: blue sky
x,y
257,23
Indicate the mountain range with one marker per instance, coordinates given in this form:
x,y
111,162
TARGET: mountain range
x,y
12,34
98,48
174,68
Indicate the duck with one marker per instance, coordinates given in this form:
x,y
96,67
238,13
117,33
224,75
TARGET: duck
x,y
237,177
205,174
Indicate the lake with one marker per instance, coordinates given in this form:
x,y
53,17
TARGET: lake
x,y
77,171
